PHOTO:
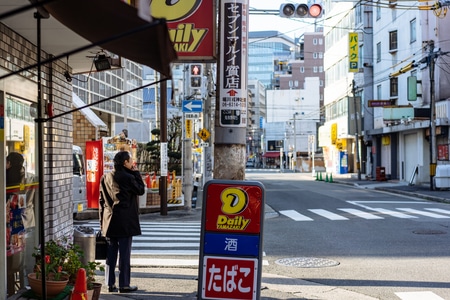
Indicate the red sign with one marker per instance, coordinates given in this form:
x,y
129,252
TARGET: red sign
x,y
234,208
191,27
229,278
94,171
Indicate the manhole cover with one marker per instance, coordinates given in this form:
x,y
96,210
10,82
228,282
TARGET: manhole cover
x,y
428,231
306,262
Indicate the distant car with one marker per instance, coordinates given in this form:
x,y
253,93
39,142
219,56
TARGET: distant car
x,y
250,164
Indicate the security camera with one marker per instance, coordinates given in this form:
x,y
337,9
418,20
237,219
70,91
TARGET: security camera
x,y
68,77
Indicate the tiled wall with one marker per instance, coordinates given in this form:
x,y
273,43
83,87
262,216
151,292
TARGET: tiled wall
x,y
15,53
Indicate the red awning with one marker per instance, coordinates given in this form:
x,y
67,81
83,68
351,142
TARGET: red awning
x,y
271,154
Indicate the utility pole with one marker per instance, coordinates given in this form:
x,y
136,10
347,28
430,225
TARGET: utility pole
x,y
163,137
433,154
356,111
232,91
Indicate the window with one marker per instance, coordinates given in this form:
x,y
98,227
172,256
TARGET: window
x,y
302,69
379,52
315,69
320,55
378,10
315,55
394,87
412,31
314,41
379,92
393,40
320,69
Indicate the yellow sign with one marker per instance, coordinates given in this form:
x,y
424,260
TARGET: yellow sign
x,y
333,133
188,128
204,134
353,49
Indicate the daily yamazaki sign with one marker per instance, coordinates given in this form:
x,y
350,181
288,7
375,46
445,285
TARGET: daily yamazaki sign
x,y
231,240
191,26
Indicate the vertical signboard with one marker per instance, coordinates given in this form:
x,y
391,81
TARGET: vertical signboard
x,y
233,63
94,171
231,240
353,49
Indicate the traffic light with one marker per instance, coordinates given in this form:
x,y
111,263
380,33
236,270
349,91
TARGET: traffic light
x,y
195,75
196,70
301,10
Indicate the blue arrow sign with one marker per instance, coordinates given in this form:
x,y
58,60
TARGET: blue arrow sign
x,y
192,105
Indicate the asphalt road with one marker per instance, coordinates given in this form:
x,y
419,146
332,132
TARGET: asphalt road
x,y
383,245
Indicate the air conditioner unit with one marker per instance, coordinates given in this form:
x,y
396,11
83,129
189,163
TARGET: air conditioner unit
x,y
367,65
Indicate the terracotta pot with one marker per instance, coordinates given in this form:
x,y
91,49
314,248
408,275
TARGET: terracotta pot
x,y
53,287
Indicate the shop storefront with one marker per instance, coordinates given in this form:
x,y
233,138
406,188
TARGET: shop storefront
x,y
21,192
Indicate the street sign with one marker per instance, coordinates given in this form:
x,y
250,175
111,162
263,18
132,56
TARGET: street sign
x,y
203,144
191,115
204,134
231,240
192,106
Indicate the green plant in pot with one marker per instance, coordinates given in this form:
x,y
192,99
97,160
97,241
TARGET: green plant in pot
x,y
91,268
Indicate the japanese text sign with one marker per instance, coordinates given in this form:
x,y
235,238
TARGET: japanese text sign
x,y
229,278
231,240
353,49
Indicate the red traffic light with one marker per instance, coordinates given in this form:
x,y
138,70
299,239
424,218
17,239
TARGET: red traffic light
x,y
315,10
196,70
301,10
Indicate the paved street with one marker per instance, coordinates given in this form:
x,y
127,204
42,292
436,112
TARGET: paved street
x,y
167,252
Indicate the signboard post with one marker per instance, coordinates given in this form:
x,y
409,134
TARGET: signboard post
x,y
231,240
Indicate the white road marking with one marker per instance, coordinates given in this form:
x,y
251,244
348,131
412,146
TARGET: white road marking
x,y
418,296
424,213
442,211
361,214
393,213
327,214
294,215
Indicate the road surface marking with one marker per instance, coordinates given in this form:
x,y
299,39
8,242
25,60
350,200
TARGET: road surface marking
x,y
393,213
442,211
361,214
418,296
424,213
295,215
327,214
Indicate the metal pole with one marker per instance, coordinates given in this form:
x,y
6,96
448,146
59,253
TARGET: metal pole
x,y
433,154
163,136
294,156
40,132
358,164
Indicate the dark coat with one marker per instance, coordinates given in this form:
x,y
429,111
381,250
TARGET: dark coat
x,y
121,219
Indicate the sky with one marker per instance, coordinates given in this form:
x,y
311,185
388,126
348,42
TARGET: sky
x,y
290,27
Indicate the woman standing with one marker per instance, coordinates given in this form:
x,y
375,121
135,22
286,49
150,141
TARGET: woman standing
x,y
119,218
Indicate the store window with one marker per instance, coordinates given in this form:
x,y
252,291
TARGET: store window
x,y
21,189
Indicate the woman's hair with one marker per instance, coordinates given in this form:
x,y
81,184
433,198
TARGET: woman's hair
x,y
16,160
120,158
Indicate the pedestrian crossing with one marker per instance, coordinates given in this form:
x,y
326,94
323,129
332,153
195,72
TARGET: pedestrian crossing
x,y
373,213
168,238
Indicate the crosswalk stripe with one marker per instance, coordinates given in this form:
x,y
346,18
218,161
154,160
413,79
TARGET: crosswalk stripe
x,y
442,211
361,214
165,245
393,213
424,213
294,215
418,296
327,214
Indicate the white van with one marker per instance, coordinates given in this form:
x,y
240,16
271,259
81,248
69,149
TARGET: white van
x,y
79,181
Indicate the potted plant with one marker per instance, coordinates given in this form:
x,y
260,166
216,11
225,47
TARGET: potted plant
x,y
56,276
93,287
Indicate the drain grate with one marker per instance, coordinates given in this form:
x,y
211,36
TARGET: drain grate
x,y
428,231
306,262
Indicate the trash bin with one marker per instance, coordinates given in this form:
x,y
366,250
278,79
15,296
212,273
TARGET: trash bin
x,y
84,237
